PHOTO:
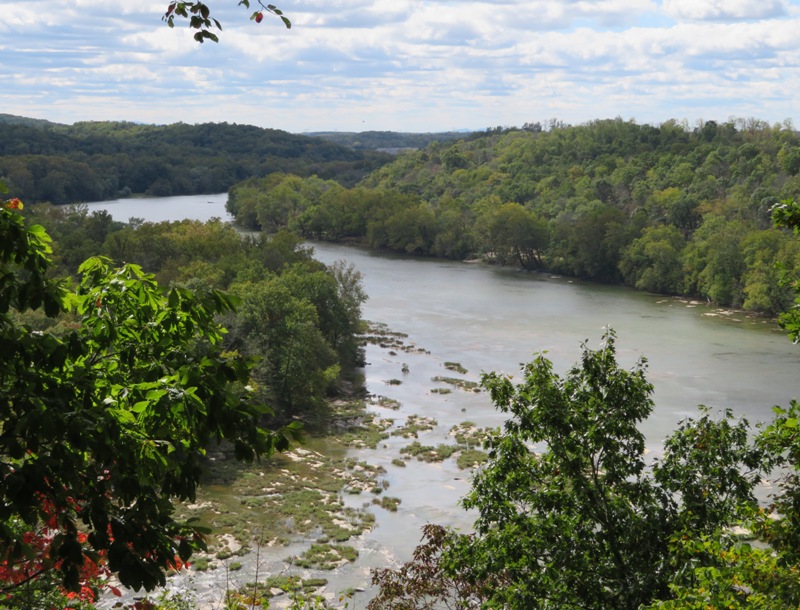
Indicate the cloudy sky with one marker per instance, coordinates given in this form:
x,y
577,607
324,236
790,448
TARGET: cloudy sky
x,y
404,65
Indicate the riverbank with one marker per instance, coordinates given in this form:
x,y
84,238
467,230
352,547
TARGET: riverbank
x,y
301,523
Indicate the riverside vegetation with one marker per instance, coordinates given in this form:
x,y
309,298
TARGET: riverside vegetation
x,y
593,493
667,209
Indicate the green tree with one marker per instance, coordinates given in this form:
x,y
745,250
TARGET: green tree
x,y
654,261
569,514
572,522
769,255
589,242
103,427
513,233
296,364
714,261
725,571
787,214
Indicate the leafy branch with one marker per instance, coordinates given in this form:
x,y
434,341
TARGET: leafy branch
x,y
200,19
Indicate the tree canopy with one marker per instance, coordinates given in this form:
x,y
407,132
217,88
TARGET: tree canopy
x,y
664,208
104,423
91,161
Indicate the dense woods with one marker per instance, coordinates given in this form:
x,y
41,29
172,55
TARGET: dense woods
x,y
297,315
386,140
669,209
41,161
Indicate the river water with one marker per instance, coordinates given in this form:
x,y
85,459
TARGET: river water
x,y
494,319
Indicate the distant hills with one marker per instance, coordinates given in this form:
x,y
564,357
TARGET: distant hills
x,y
388,141
90,161
13,119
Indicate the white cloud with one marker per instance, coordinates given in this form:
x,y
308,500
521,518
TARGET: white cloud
x,y
724,10
417,65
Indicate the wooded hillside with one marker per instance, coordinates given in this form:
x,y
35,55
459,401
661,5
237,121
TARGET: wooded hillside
x,y
91,161
670,209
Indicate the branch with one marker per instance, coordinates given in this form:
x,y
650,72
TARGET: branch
x,y
199,16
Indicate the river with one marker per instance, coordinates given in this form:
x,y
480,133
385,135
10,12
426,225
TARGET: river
x,y
492,319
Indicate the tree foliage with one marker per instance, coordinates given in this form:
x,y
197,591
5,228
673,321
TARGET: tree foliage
x,y
570,514
787,214
91,161
299,319
103,425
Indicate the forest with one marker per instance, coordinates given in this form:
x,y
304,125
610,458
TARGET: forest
x,y
667,209
298,316
382,140
92,161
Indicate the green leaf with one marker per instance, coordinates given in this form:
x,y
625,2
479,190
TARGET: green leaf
x,y
123,416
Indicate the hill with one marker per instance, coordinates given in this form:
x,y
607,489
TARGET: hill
x,y
90,161
664,208
388,141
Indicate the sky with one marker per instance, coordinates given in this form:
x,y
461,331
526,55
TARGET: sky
x,y
404,65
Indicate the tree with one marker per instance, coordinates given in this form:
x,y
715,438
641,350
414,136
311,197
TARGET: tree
x,y
727,572
199,16
103,427
653,261
570,515
513,233
297,365
787,214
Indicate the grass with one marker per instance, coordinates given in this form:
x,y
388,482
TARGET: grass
x,y
367,432
201,563
467,433
386,403
414,425
325,557
292,497
428,453
456,367
471,458
388,503
379,334
470,386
